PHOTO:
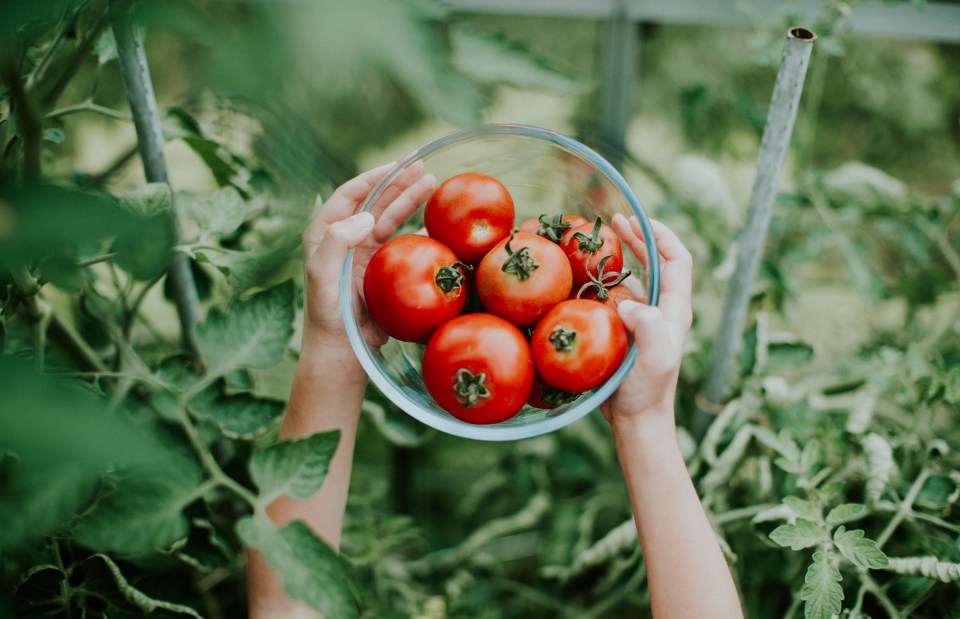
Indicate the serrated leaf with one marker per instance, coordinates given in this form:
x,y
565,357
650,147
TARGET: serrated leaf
x,y
252,267
148,200
144,514
821,588
253,334
802,508
799,535
206,548
35,504
133,596
237,416
845,512
492,59
295,467
859,550
309,570
221,213
145,252
105,49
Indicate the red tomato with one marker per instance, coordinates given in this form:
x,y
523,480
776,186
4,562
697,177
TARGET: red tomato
x,y
522,277
606,287
552,226
586,245
412,285
578,345
470,213
543,395
478,368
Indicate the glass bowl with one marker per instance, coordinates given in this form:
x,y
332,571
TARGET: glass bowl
x,y
545,172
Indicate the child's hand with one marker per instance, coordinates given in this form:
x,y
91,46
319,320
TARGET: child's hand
x,y
659,332
339,226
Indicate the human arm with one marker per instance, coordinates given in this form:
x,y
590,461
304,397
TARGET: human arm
x,y
329,382
686,571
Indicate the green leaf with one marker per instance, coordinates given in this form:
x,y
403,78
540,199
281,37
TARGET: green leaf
x,y
821,588
799,535
253,334
492,59
938,492
788,355
148,200
845,512
802,508
105,49
63,438
238,416
245,269
309,570
859,550
295,467
145,252
144,514
214,155
221,213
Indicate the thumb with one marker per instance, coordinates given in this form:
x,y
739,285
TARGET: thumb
x,y
340,236
646,323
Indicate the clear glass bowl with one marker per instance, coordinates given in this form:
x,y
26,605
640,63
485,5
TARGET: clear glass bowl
x,y
546,172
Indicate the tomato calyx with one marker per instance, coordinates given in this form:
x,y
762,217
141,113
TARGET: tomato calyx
x,y
519,262
469,387
553,227
592,243
602,282
557,397
562,339
450,278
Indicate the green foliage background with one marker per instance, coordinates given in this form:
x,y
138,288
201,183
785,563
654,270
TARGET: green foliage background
x,y
132,481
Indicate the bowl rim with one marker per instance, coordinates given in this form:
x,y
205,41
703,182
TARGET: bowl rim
x,y
498,432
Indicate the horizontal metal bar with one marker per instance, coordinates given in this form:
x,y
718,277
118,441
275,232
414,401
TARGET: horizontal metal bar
x,y
930,21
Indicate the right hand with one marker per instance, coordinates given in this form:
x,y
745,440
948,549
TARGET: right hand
x,y
660,331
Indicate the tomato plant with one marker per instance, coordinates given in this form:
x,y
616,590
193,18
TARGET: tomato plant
x,y
578,345
412,285
553,226
587,245
479,368
470,213
522,277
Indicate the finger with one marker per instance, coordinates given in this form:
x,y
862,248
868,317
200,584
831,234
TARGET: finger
x,y
647,325
352,193
630,238
401,208
676,275
327,258
397,186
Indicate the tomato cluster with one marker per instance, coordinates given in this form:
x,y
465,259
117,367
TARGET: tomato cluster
x,y
511,315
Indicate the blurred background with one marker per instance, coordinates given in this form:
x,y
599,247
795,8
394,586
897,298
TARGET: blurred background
x,y
847,379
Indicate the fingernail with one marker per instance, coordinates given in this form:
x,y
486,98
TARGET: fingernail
x,y
361,220
626,306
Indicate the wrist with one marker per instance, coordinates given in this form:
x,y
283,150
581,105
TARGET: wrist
x,y
649,427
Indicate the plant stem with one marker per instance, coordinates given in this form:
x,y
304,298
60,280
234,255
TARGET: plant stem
x,y
781,116
210,465
146,118
88,106
906,508
24,108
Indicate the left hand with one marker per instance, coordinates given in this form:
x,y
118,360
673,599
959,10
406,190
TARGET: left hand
x,y
338,226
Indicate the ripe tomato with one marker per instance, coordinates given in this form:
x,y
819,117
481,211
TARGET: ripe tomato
x,y
412,285
578,345
470,213
606,287
552,226
543,395
478,368
586,245
522,277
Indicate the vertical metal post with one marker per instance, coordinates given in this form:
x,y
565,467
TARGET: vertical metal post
x,y
784,104
617,73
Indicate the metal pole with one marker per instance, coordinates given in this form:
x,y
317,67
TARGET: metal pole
x,y
773,149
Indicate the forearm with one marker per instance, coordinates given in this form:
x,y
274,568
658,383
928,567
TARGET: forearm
x,y
686,571
323,397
